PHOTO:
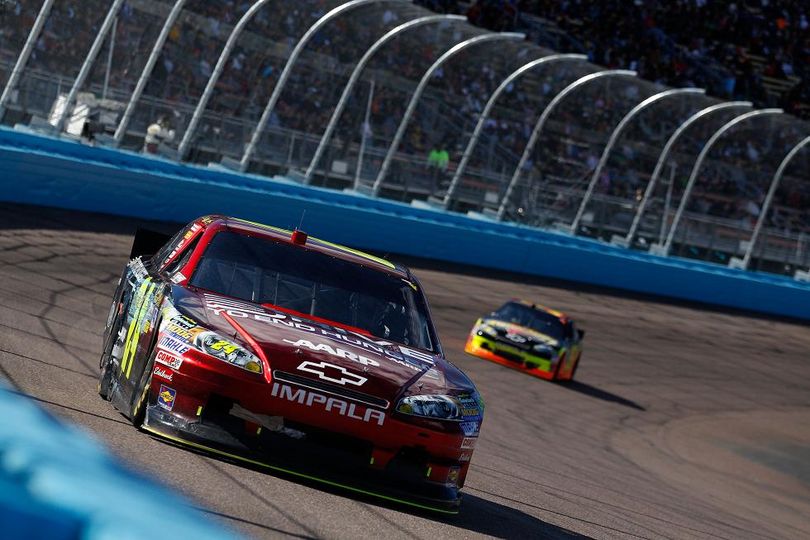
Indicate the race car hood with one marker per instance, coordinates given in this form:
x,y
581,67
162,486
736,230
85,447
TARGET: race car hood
x,y
301,349
507,328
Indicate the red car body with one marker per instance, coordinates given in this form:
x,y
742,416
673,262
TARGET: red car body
x,y
282,388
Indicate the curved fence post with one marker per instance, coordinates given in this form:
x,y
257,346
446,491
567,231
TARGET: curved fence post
x,y
25,54
147,70
355,76
420,88
285,74
541,122
88,63
766,205
696,169
182,149
617,131
479,127
662,158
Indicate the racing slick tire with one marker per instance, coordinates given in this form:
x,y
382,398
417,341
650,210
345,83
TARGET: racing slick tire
x,y
137,409
115,321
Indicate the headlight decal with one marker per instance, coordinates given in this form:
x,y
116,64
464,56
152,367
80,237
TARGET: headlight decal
x,y
440,407
215,345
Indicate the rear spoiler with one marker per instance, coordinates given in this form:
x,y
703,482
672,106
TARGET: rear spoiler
x,y
146,243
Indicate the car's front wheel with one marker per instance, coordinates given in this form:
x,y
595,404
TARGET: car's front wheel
x,y
114,324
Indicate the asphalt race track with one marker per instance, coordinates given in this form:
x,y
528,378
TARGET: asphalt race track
x,y
684,423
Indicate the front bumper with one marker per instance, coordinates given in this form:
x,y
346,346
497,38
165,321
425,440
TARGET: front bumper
x,y
509,356
236,415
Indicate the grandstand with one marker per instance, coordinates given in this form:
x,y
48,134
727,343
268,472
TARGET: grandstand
x,y
567,143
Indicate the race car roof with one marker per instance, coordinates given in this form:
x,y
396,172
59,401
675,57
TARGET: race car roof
x,y
285,235
559,314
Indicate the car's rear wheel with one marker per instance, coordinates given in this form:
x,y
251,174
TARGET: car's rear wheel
x,y
106,361
140,396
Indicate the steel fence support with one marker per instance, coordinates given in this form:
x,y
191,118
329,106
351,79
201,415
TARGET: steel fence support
x,y
484,116
285,74
196,117
541,122
25,54
112,14
420,88
662,158
147,70
766,205
696,169
355,76
614,136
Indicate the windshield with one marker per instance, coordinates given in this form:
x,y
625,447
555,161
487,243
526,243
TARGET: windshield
x,y
535,319
264,271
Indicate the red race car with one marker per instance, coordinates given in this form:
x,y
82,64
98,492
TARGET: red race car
x,y
291,353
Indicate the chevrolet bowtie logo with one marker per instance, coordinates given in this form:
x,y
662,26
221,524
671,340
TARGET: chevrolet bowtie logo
x,y
332,373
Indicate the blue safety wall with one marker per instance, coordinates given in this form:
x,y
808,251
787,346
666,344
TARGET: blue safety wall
x,y
58,483
47,171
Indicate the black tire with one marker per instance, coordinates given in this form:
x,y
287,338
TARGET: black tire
x,y
137,409
105,362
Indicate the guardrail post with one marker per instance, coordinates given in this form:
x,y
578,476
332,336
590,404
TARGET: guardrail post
x,y
665,249
541,122
766,206
614,136
479,127
112,14
25,54
285,74
659,165
355,76
196,117
420,88
147,71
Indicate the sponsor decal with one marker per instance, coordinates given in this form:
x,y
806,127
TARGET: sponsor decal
x,y
328,404
178,331
138,269
469,405
172,345
340,353
178,277
465,456
339,374
163,373
452,476
517,338
168,359
166,397
469,428
468,443
403,356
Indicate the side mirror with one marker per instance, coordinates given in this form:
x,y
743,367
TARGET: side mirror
x,y
580,334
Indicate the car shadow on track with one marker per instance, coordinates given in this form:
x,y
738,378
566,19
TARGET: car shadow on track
x,y
477,515
598,393
490,518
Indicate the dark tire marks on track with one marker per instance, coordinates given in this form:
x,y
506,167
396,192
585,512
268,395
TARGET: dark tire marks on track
x,y
630,450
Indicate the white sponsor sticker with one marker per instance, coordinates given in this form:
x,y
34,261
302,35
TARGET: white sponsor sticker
x,y
168,359
328,403
163,373
468,443
334,351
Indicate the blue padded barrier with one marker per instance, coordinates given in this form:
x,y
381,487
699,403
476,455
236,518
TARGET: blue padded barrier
x,y
56,482
41,170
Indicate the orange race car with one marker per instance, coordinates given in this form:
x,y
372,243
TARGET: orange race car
x,y
528,337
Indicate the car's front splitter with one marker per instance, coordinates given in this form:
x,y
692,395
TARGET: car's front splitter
x,y
355,479
486,349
